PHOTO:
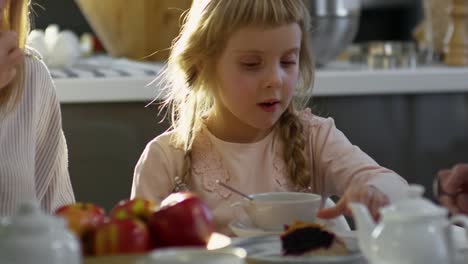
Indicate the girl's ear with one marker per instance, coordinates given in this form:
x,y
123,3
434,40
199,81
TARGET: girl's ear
x,y
199,66
195,71
192,75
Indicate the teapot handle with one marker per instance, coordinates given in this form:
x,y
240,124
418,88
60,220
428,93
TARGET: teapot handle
x,y
458,219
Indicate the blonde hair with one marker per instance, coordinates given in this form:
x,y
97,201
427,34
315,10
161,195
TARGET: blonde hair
x,y
15,18
206,29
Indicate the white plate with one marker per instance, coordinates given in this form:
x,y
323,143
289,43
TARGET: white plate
x,y
243,227
194,255
267,249
218,249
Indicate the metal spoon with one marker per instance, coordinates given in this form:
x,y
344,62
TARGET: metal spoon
x,y
234,190
323,198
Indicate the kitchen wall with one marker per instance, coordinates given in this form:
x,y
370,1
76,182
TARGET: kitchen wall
x,y
63,12
104,143
392,20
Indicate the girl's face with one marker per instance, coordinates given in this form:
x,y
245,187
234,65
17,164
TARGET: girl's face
x,y
257,73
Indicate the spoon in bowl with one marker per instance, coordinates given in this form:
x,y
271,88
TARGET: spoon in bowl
x,y
234,190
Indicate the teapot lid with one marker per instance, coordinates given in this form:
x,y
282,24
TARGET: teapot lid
x,y
30,218
413,205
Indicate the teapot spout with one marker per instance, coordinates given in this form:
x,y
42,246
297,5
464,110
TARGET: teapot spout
x,y
365,225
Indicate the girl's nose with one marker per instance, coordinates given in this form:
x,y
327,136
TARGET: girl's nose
x,y
274,78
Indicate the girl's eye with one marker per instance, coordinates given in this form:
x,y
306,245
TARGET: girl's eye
x,y
250,64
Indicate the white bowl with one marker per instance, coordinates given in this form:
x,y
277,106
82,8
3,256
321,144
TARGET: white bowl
x,y
274,210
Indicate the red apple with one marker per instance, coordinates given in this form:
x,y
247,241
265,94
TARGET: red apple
x,y
134,208
81,217
183,220
121,236
82,220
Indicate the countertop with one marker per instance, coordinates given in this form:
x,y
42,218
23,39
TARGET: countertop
x,y
104,79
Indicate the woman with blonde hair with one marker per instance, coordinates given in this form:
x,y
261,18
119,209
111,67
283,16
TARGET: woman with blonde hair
x,y
238,77
33,151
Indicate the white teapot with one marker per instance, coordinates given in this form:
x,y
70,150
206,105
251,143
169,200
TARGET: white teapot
x,y
34,237
412,231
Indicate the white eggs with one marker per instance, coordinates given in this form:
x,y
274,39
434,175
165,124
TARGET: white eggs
x,y
58,48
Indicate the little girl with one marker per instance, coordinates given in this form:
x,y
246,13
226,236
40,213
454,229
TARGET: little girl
x,y
33,151
237,75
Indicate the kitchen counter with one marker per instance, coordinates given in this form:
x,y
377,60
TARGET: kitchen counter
x,y
102,79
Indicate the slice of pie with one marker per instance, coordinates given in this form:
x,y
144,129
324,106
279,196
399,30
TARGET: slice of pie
x,y
311,239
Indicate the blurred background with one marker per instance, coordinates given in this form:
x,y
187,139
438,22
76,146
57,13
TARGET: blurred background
x,y
380,19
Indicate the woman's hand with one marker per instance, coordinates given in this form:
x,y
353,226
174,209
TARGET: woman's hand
x,y
10,57
365,194
453,190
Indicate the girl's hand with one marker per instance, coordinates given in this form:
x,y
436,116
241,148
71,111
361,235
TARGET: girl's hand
x,y
10,57
365,194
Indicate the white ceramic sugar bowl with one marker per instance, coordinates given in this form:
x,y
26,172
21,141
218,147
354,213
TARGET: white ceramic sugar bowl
x,y
31,236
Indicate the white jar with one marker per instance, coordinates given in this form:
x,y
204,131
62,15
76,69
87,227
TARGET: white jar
x,y
34,237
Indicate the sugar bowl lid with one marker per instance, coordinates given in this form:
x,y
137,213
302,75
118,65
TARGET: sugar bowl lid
x,y
413,205
30,218
32,236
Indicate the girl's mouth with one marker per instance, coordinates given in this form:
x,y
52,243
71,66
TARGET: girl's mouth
x,y
269,106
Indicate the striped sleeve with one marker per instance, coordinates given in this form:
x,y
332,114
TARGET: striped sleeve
x,y
53,185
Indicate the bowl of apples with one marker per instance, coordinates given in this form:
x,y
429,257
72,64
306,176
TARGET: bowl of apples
x,y
135,227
